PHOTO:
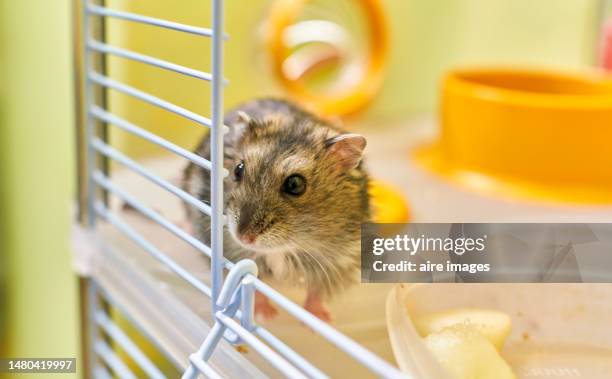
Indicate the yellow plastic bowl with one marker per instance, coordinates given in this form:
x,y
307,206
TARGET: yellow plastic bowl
x,y
539,134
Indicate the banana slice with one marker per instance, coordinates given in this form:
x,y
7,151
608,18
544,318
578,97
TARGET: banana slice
x,y
494,325
466,353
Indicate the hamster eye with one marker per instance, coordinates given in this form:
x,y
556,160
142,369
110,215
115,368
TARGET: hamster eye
x,y
239,171
294,185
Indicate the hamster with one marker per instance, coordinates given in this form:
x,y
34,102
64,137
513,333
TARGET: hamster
x,y
295,199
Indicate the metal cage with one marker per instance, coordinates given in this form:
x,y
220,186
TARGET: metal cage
x,y
105,284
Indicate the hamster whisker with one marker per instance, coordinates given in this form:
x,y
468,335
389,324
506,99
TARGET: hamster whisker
x,y
302,249
325,269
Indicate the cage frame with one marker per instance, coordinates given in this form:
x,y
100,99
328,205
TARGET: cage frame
x,y
233,296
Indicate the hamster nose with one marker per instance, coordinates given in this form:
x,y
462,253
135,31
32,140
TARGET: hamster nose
x,y
248,238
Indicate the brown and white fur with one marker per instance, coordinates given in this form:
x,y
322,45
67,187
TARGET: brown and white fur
x,y
310,240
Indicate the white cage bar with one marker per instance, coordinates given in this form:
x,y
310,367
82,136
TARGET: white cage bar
x,y
232,297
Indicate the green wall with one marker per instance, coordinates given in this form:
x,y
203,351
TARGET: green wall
x,y
37,178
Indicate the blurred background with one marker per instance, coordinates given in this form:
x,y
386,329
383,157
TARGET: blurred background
x,y
38,309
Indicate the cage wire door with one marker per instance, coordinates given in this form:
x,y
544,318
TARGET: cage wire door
x,y
233,298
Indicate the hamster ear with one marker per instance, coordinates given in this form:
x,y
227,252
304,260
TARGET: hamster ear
x,y
346,150
237,128
243,118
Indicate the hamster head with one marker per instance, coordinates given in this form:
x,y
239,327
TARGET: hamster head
x,y
296,184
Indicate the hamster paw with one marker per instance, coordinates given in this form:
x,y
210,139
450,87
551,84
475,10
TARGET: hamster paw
x,y
314,305
264,310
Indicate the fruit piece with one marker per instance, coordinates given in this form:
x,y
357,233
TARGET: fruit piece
x,y
492,324
465,353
